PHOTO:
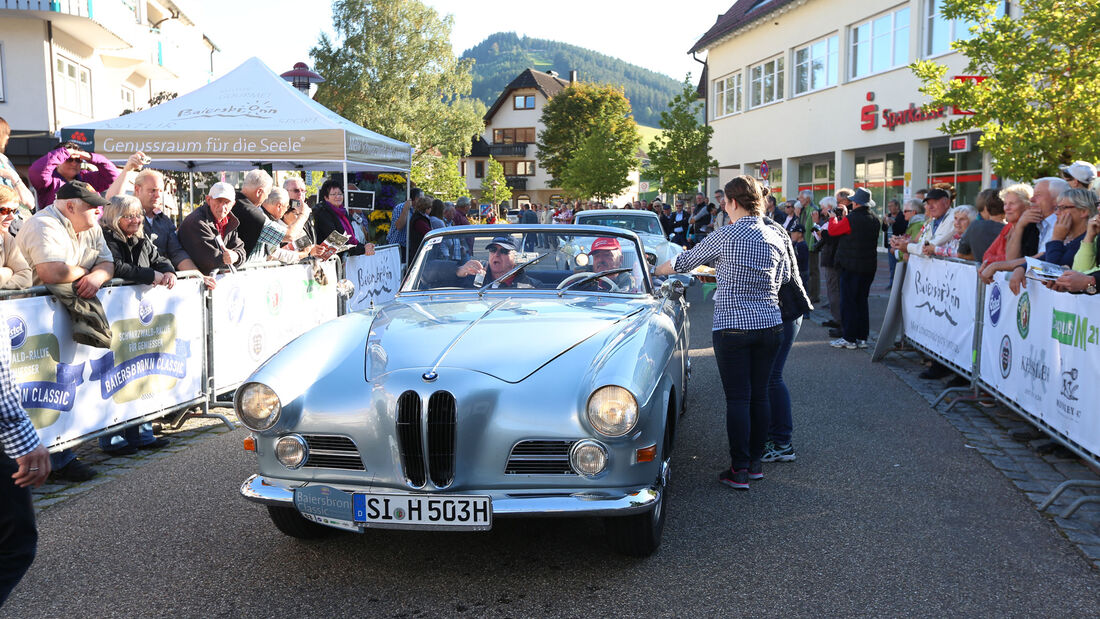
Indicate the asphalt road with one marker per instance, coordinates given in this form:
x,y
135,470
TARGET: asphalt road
x,y
885,513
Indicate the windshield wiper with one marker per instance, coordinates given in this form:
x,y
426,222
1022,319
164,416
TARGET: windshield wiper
x,y
592,276
512,271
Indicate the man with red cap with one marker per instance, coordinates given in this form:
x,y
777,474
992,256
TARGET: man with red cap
x,y
607,255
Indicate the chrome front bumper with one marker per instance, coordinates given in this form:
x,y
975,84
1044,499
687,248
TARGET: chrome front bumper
x,y
590,503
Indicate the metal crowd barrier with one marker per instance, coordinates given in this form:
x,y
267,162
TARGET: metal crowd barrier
x,y
993,323
257,308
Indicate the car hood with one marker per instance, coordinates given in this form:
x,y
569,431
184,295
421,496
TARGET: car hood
x,y
505,337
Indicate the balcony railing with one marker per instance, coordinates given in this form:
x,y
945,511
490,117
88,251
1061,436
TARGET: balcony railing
x,y
516,182
508,150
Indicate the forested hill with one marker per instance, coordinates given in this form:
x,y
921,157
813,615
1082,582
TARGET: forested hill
x,y
504,55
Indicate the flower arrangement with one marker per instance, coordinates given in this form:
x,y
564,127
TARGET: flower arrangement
x,y
395,179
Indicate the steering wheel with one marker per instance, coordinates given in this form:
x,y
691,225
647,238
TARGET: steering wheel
x,y
579,276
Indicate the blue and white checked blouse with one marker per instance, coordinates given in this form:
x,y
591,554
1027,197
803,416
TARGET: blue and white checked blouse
x,y
17,435
750,259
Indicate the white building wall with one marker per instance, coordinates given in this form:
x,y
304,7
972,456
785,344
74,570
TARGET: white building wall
x,y
25,63
823,124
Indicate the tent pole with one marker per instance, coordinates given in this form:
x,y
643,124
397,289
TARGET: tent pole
x,y
347,198
190,194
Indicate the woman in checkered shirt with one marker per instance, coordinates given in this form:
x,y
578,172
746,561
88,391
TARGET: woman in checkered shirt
x,y
751,262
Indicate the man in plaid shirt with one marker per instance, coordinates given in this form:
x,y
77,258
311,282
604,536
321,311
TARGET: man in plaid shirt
x,y
24,462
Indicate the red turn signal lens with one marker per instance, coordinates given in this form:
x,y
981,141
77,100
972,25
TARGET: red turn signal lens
x,y
646,454
250,443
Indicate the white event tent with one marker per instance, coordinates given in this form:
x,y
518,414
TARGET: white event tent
x,y
248,117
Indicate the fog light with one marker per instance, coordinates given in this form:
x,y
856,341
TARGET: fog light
x,y
588,458
291,451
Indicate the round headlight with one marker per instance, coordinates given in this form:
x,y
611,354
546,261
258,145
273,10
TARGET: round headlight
x,y
291,451
258,407
588,458
612,411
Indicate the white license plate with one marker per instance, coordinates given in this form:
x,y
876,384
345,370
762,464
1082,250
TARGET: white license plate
x,y
423,511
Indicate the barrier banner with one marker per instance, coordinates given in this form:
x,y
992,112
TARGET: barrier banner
x,y
258,311
940,301
1041,350
154,363
377,278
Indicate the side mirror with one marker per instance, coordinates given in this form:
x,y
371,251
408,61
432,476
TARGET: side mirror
x,y
672,289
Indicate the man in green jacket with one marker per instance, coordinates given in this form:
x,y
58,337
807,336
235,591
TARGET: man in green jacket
x,y
809,217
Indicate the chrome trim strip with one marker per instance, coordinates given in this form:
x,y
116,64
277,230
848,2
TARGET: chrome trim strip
x,y
589,503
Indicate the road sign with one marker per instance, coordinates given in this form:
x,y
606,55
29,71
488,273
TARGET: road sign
x,y
764,169
643,187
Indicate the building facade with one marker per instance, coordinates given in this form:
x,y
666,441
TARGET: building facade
x,y
70,61
821,91
512,126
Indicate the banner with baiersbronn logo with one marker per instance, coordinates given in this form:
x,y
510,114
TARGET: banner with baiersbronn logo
x,y
940,300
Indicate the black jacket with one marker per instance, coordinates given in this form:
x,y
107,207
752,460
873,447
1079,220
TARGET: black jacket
x,y
415,236
857,251
827,246
198,235
325,222
251,218
137,258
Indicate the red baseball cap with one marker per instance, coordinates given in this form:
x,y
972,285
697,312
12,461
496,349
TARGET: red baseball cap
x,y
604,243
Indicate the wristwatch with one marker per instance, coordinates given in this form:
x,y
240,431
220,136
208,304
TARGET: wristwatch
x,y
1091,288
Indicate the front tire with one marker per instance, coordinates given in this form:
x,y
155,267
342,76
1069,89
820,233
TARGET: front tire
x,y
638,535
290,522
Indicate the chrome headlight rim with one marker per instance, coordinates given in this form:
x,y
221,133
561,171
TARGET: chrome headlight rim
x,y
302,445
589,443
601,426
253,422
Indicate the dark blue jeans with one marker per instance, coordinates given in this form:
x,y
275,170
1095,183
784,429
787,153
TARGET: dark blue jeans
x,y
855,316
779,398
18,535
745,360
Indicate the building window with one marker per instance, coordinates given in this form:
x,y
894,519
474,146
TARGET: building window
x,y
961,170
462,168
514,136
818,178
518,168
727,95
880,44
766,82
815,66
523,102
127,99
882,174
479,169
940,31
74,86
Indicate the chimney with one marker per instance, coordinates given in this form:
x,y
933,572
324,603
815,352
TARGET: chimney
x,y
573,76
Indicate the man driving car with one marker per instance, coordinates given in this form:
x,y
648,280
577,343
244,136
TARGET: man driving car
x,y
606,254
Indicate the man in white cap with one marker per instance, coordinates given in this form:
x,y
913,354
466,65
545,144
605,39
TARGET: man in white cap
x,y
209,233
1078,174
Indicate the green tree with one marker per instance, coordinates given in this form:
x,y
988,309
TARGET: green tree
x,y
494,187
598,169
680,155
439,177
390,68
572,115
1039,105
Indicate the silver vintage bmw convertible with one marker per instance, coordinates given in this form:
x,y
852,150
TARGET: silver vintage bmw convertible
x,y
521,371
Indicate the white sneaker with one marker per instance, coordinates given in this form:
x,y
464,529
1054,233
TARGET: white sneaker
x,y
861,343
842,343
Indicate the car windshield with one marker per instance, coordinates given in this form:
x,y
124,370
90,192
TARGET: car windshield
x,y
638,223
492,259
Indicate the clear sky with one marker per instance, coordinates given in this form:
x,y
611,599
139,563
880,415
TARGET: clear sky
x,y
654,34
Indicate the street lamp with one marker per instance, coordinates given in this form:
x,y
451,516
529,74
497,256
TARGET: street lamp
x,y
301,77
